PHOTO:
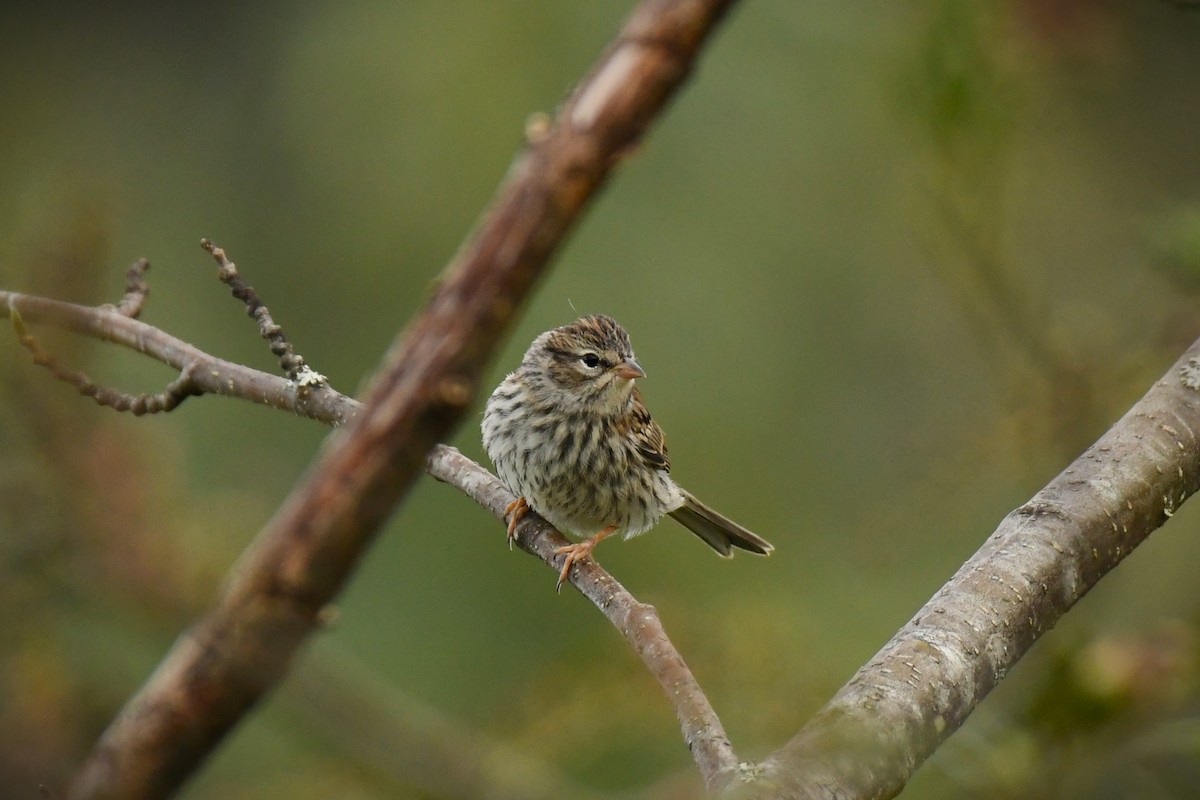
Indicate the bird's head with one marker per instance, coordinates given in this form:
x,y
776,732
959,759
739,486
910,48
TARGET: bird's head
x,y
589,364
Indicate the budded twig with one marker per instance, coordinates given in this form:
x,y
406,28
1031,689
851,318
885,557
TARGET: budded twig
x,y
291,362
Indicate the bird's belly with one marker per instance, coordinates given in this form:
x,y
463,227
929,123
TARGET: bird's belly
x,y
583,490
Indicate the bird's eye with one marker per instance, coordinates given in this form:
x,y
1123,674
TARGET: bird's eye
x,y
590,360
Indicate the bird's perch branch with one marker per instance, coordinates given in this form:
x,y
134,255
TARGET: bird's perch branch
x,y
217,671
1038,563
637,622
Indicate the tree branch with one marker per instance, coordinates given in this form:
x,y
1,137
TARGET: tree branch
x,y
637,622
1044,556
207,374
217,671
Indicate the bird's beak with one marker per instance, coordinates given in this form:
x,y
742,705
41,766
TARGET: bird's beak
x,y
629,369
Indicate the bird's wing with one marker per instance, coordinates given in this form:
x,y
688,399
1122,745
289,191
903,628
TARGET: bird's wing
x,y
647,437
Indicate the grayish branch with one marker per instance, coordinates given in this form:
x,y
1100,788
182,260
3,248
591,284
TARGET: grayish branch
x,y
637,622
1038,563
291,362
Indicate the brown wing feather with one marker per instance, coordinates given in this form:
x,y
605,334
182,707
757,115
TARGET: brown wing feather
x,y
649,439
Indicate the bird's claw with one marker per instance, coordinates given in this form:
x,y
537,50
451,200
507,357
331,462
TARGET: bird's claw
x,y
514,511
574,552
578,552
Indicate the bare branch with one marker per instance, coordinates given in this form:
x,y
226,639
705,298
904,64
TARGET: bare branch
x,y
205,373
217,671
637,622
289,360
175,392
136,289
1040,561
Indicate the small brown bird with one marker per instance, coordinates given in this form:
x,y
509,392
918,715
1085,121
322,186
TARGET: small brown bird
x,y
570,436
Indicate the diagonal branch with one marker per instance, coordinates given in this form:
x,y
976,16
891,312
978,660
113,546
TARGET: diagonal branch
x,y
637,622
1044,556
299,562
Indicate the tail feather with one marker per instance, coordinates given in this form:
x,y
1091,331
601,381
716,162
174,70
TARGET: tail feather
x,y
719,532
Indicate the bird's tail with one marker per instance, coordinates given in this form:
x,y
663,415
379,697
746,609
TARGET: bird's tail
x,y
720,533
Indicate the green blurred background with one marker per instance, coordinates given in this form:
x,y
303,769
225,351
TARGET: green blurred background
x,y
889,266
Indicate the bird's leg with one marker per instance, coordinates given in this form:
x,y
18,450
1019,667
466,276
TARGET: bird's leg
x,y
579,551
514,511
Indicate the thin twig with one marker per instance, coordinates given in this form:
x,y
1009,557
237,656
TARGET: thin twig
x,y
208,374
175,392
291,362
136,289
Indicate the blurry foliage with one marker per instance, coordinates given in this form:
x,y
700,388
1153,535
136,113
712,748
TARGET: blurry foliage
x,y
1176,240
888,268
958,89
964,91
